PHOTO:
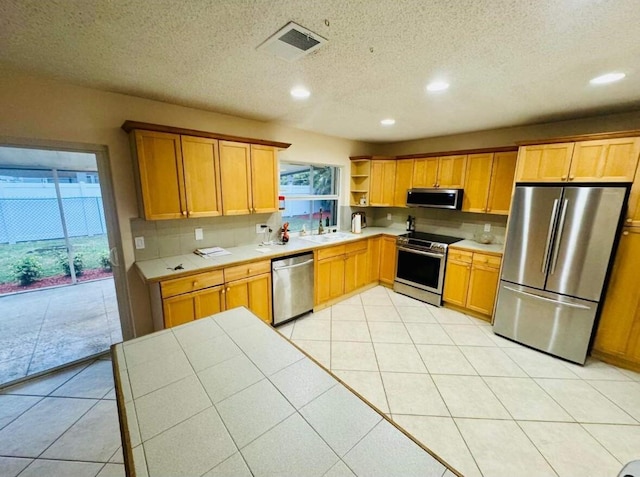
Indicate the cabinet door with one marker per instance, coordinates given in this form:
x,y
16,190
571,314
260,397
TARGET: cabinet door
x,y
612,160
329,278
236,294
425,172
451,172
483,283
264,179
374,259
503,172
235,173
388,258
476,183
209,302
179,310
201,176
355,270
404,181
622,300
382,181
259,289
633,210
545,163
161,175
456,282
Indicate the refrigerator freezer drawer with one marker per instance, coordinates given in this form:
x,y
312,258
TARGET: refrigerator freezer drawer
x,y
553,323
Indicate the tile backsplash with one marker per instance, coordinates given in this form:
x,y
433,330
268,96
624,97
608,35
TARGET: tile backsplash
x,y
165,238
439,221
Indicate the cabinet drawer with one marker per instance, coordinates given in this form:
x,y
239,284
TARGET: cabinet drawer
x,y
247,270
356,246
191,283
331,252
486,260
460,255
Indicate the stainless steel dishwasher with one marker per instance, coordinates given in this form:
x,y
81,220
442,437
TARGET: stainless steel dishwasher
x,y
292,287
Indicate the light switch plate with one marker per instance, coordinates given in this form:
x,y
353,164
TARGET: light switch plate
x,y
261,228
199,234
487,227
388,216
139,241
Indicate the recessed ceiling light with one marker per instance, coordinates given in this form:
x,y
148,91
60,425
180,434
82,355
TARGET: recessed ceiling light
x,y
435,86
388,122
608,78
300,93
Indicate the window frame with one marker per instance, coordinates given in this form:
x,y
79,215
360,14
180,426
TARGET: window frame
x,y
336,173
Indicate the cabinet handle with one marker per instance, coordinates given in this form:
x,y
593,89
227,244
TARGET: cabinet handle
x,y
228,288
564,178
625,233
223,290
489,209
195,284
572,177
629,220
249,270
184,212
435,185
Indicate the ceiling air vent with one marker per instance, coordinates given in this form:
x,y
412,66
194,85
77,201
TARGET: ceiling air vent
x,y
292,42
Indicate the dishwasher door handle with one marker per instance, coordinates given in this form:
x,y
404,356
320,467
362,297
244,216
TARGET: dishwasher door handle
x,y
293,266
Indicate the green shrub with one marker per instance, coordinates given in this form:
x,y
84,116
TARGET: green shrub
x,y
27,270
105,261
78,264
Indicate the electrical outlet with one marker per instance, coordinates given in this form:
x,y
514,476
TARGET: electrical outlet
x,y
199,234
261,228
487,227
139,243
388,216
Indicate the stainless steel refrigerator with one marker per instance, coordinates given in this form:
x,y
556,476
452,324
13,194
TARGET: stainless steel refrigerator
x,y
556,256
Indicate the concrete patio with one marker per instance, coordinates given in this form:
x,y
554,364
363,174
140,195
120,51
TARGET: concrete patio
x,y
43,329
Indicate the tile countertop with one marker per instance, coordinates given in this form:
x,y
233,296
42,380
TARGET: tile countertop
x,y
472,245
228,395
162,268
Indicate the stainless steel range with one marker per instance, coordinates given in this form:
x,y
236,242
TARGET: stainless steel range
x,y
421,262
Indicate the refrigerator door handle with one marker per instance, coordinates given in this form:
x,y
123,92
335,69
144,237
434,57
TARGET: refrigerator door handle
x,y
545,257
532,295
556,245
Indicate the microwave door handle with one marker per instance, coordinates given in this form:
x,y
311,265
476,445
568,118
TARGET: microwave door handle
x,y
547,248
556,246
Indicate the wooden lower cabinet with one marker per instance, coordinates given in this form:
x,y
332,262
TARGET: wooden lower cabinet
x,y
471,280
355,269
182,309
329,279
388,259
373,246
618,335
192,297
254,293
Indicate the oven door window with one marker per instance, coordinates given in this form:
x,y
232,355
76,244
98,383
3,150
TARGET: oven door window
x,y
420,270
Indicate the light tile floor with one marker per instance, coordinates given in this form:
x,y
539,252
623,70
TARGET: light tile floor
x,y
44,329
486,405
62,424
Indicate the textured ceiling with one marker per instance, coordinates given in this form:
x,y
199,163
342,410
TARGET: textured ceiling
x,y
509,62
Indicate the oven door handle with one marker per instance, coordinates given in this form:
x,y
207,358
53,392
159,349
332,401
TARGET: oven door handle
x,y
419,252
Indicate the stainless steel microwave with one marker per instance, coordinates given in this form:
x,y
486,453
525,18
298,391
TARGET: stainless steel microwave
x,y
435,198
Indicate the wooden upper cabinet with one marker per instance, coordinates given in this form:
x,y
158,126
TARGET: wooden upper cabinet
x,y
382,182
160,170
502,177
545,163
404,181
264,179
618,330
201,176
633,210
611,160
451,172
477,180
425,172
235,173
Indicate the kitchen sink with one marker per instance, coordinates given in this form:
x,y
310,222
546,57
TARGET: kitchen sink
x,y
327,238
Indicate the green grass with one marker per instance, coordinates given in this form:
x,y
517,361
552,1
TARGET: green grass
x,y
47,252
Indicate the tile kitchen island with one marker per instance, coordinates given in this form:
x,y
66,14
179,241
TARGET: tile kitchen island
x,y
228,395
